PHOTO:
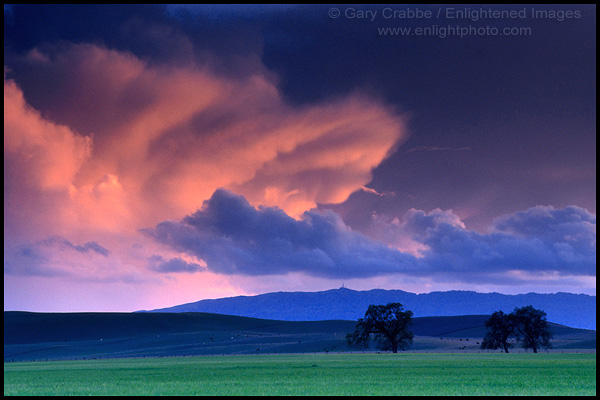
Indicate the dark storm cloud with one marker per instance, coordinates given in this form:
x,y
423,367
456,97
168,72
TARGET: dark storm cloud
x,y
456,250
230,42
517,112
125,27
497,125
553,225
568,234
496,120
174,265
235,238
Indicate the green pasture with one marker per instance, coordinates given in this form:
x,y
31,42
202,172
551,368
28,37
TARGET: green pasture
x,y
311,374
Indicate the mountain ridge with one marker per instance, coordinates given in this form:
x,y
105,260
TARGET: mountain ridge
x,y
574,310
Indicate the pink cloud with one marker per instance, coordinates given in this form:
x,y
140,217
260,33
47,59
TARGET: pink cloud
x,y
50,154
115,144
164,138
41,161
407,233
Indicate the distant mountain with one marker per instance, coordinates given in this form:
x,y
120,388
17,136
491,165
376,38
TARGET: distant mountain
x,y
574,310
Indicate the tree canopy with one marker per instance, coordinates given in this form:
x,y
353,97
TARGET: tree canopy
x,y
388,324
532,328
500,327
526,324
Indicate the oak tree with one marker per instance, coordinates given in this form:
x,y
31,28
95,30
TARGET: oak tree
x,y
527,324
500,327
387,324
532,328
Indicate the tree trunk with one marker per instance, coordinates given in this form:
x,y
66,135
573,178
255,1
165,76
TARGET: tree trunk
x,y
505,347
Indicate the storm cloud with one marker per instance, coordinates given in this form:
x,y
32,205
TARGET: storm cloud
x,y
173,265
110,130
312,148
453,249
233,237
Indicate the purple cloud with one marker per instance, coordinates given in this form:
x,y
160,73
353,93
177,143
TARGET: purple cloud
x,y
49,257
233,237
536,240
174,265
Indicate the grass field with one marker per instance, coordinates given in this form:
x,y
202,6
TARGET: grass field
x,y
311,374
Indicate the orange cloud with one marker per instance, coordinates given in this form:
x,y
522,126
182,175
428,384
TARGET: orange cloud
x,y
115,144
41,160
164,138
49,154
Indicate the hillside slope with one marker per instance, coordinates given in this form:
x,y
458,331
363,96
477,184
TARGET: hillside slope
x,y
43,336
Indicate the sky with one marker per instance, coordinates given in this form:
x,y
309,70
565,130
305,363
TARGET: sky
x,y
158,155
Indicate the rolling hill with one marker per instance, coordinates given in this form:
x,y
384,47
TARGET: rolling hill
x,y
52,336
575,310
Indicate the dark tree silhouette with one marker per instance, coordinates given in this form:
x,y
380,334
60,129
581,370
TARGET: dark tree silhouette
x,y
532,328
526,324
500,327
388,324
